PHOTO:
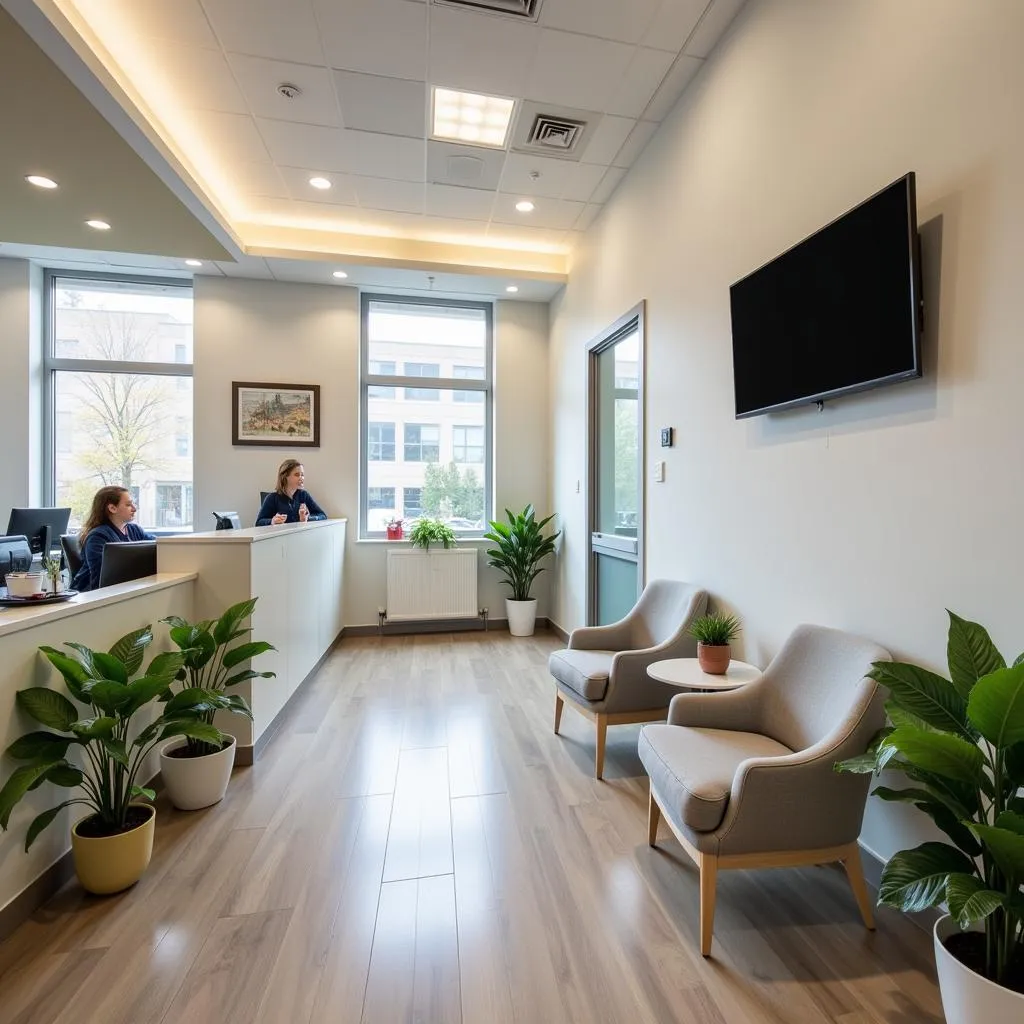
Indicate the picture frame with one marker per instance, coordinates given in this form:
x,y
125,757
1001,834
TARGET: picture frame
x,y
275,415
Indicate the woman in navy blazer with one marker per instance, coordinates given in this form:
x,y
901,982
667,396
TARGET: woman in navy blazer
x,y
110,519
289,503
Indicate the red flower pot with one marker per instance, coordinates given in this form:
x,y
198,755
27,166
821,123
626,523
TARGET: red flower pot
x,y
394,531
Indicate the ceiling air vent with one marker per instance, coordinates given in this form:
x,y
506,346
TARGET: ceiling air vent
x,y
554,133
527,9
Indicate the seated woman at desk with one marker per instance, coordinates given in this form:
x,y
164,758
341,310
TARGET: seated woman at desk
x,y
110,519
289,503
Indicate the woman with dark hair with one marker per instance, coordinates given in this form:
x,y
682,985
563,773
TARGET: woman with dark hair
x,y
109,519
289,503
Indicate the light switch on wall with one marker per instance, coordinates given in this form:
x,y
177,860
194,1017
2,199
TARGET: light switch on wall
x,y
659,471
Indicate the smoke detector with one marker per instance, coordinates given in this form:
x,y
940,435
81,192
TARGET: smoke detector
x,y
289,91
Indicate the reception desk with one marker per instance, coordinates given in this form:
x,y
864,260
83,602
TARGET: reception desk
x,y
295,570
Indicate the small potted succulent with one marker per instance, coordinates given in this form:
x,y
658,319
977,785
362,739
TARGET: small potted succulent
x,y
714,634
393,528
432,531
54,573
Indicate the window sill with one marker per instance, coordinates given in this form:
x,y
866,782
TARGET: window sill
x,y
406,542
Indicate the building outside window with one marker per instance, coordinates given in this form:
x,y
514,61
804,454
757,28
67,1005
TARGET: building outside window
x,y
381,497
438,460
119,405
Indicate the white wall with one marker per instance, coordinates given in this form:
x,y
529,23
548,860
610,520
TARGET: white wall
x,y
887,507
309,334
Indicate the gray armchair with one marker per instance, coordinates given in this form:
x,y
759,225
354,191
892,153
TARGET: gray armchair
x,y
603,672
745,779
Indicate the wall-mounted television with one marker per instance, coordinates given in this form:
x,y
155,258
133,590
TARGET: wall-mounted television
x,y
840,312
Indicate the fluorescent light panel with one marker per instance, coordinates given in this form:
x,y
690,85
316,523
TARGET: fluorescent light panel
x,y
471,118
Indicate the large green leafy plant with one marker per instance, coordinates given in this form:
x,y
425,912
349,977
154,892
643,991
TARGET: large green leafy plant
x,y
432,531
521,546
960,743
207,671
112,692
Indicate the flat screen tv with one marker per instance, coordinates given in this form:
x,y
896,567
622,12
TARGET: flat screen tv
x,y
839,312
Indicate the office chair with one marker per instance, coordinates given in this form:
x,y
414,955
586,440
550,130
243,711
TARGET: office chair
x,y
71,545
130,560
15,555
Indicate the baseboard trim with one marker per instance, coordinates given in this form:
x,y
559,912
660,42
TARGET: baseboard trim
x,y
557,629
414,626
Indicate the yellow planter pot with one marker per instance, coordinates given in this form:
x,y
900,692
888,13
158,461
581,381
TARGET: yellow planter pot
x,y
112,863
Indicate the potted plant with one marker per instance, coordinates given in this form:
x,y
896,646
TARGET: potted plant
x,y
521,546
393,528
196,769
53,569
714,633
960,742
113,842
432,531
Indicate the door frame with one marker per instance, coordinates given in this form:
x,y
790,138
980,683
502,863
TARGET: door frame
x,y
633,320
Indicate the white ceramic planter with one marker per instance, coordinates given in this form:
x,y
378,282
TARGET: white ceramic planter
x,y
194,782
26,584
967,997
522,616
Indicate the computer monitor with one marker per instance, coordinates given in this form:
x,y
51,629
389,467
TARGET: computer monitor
x,y
128,561
227,521
15,556
42,526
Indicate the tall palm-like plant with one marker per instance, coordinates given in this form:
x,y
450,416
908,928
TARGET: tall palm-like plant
x,y
521,546
960,742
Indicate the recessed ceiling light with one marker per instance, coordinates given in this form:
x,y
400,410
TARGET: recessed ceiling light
x,y
98,225
39,181
320,183
524,206
512,288
340,273
193,263
471,117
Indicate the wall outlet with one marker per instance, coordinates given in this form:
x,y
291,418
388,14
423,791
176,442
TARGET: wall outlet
x,y
659,471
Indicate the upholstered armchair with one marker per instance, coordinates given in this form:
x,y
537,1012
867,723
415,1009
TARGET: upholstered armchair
x,y
746,778
603,672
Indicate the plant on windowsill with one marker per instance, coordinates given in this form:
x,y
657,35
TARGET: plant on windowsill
x,y
112,844
960,742
521,546
714,634
393,528
432,531
196,769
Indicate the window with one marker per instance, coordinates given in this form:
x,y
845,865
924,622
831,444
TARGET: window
x,y
422,370
118,362
381,497
421,443
381,442
468,444
441,463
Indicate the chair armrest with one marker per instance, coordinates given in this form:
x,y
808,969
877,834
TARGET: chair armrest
x,y
613,637
738,710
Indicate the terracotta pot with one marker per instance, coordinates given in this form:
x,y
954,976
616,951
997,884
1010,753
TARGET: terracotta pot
x,y
714,659
109,864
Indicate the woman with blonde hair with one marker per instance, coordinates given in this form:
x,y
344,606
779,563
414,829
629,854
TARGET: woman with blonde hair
x,y
289,503
109,519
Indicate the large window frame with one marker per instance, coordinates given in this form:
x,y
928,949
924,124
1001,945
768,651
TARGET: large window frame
x,y
368,381
52,364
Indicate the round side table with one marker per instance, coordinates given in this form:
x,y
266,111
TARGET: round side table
x,y
686,673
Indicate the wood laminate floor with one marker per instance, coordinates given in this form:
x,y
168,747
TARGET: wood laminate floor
x,y
416,845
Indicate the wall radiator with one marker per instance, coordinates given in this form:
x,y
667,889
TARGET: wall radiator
x,y
432,585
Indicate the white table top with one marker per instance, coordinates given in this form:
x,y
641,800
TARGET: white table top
x,y
687,672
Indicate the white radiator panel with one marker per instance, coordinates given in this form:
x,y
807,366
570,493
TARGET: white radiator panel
x,y
432,584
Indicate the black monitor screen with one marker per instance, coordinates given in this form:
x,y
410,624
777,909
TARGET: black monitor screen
x,y
31,522
126,561
837,313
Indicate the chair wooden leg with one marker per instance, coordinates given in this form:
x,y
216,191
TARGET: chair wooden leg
x,y
653,817
855,873
559,704
602,732
708,866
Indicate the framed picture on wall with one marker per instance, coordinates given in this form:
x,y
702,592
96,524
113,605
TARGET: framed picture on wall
x,y
275,415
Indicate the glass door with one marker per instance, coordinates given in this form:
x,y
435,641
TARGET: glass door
x,y
616,471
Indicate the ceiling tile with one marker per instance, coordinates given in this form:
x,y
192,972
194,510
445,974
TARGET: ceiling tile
x,y
383,156
610,19
341,192
464,203
262,179
259,79
303,145
713,26
576,71
673,24
180,20
607,139
554,176
469,166
634,91
672,87
385,37
372,103
480,53
202,79
585,178
232,137
267,28
638,139
558,214
380,194
608,184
